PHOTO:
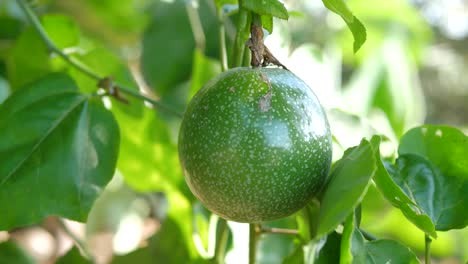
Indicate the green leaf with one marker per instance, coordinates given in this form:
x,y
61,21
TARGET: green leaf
x,y
396,196
58,150
350,179
357,28
203,70
168,44
267,23
4,89
267,7
327,250
445,149
389,251
73,256
63,30
10,252
441,197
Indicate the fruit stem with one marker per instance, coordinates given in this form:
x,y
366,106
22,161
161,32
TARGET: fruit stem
x,y
221,241
32,18
427,241
222,39
253,235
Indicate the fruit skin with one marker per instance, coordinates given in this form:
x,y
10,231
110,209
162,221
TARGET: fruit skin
x,y
255,144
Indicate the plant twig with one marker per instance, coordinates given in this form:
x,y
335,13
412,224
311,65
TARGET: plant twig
x,y
31,16
427,241
253,235
79,243
274,230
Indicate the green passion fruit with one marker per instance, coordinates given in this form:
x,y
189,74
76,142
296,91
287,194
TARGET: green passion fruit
x,y
255,144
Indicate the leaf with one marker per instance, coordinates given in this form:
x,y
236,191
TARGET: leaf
x,y
389,251
350,179
445,149
396,196
168,44
326,251
63,30
267,7
441,197
73,256
58,150
203,70
10,252
357,28
267,23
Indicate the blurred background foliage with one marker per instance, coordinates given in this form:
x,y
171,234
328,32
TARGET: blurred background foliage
x,y
411,70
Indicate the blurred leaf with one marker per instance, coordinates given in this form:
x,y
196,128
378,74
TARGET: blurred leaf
x,y
10,252
203,70
328,248
267,23
267,7
357,28
67,140
168,44
396,196
11,27
444,150
220,3
349,181
148,154
30,59
63,30
73,256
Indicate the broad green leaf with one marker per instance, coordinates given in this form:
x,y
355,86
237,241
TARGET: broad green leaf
x,y
446,149
441,197
267,7
350,179
73,256
389,251
357,28
10,252
396,196
58,150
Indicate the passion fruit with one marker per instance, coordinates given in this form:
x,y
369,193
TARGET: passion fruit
x,y
255,144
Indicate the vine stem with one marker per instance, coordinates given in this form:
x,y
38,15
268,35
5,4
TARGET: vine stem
x,y
274,230
32,18
221,241
253,235
80,243
427,241
222,39
242,35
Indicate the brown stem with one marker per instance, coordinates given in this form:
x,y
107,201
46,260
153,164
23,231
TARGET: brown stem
x,y
261,55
